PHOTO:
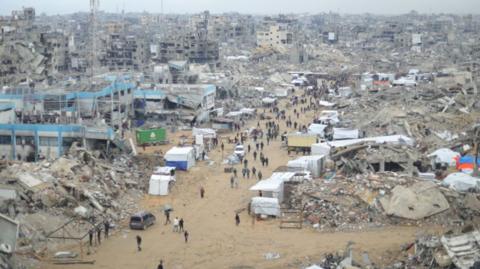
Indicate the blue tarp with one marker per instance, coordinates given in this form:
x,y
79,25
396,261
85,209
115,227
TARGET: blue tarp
x,y
180,165
468,159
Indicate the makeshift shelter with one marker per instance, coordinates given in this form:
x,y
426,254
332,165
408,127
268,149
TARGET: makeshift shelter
x,y
320,149
271,187
265,206
314,163
444,156
317,129
160,184
466,163
180,158
205,132
344,133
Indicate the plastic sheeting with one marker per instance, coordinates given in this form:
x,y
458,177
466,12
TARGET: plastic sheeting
x,y
205,132
343,133
265,206
317,129
461,182
444,155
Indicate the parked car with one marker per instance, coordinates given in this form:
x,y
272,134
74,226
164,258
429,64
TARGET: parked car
x,y
142,220
239,151
303,176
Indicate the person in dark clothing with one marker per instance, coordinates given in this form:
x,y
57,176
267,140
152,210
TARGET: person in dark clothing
x,y
245,162
257,146
255,155
185,234
237,219
139,243
160,265
248,148
203,155
254,171
259,175
99,234
180,225
261,145
202,192
167,217
90,236
106,226
235,172
222,146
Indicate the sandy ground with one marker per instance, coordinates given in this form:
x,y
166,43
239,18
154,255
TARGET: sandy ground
x,y
215,241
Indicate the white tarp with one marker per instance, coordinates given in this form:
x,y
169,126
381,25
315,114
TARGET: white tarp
x,y
327,116
326,103
233,114
344,133
206,132
461,182
163,170
317,129
313,163
320,149
248,111
444,155
392,139
265,206
268,100
159,184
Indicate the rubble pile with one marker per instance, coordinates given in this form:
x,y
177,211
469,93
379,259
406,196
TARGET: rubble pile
x,y
382,199
77,186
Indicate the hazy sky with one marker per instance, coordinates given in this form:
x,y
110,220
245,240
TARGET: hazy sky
x,y
250,6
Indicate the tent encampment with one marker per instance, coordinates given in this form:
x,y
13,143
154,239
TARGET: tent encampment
x,y
180,158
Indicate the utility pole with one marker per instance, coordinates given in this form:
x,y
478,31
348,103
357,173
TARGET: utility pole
x,y
94,4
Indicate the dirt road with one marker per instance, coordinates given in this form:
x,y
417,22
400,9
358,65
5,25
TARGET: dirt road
x,y
215,241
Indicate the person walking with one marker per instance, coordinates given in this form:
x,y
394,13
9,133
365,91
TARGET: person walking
x,y
222,146
235,172
180,225
244,172
261,145
254,155
175,224
202,192
99,234
254,171
248,148
266,161
139,243
90,236
167,217
237,219
185,234
257,146
160,265
248,173
232,179
245,163
106,226
260,175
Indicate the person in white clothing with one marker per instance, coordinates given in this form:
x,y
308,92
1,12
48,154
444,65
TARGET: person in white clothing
x,y
176,222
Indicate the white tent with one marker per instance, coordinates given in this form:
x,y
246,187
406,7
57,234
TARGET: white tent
x,y
314,164
268,100
326,103
206,132
444,155
180,158
320,149
159,184
317,129
344,133
265,206
271,187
